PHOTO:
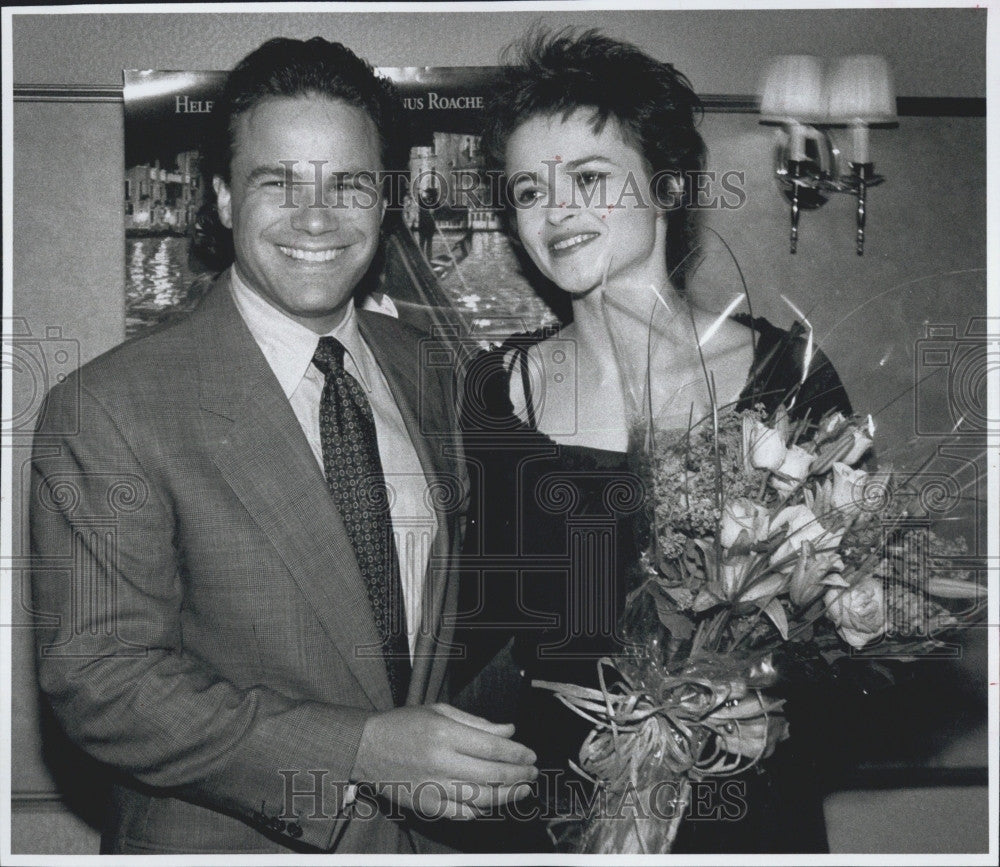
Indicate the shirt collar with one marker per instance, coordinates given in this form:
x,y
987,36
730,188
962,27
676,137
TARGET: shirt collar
x,y
288,345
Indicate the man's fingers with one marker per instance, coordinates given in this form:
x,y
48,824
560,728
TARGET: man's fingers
x,y
484,774
508,794
482,745
467,765
462,812
438,805
482,800
503,730
459,800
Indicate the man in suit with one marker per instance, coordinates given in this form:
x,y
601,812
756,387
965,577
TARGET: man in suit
x,y
227,621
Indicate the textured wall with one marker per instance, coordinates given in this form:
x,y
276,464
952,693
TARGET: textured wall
x,y
934,52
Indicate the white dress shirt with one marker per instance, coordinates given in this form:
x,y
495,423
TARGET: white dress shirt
x,y
289,348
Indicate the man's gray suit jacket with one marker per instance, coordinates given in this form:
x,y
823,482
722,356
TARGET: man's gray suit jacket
x,y
205,630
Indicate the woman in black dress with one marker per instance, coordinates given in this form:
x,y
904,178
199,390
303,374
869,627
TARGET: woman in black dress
x,y
599,148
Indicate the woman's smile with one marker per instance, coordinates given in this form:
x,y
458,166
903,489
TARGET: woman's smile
x,y
571,232
566,246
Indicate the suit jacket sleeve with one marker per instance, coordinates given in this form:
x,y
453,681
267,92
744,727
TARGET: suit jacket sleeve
x,y
108,588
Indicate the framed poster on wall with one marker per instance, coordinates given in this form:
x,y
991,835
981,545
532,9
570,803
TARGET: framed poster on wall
x,y
447,253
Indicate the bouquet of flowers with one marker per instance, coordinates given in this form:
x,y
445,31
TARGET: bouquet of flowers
x,y
762,534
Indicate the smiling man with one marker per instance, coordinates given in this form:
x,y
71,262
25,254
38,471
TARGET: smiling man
x,y
252,502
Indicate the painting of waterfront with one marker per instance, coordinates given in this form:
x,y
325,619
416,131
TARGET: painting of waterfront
x,y
451,252
161,279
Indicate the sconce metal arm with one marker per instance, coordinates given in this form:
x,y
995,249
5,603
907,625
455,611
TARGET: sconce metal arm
x,y
861,178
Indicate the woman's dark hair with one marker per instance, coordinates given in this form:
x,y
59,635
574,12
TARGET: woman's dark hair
x,y
559,73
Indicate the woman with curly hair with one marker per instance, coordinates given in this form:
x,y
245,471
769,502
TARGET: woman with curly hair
x,y
600,155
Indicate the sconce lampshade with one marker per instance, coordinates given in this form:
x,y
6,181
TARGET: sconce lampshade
x,y
793,90
860,90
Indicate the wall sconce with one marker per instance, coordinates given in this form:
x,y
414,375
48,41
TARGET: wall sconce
x,y
798,96
861,94
794,97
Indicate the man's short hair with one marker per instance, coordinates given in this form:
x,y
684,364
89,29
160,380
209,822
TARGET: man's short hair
x,y
296,68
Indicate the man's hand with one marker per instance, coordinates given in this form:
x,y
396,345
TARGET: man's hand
x,y
468,762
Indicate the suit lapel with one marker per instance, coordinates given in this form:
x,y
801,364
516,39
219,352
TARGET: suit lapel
x,y
266,459
417,391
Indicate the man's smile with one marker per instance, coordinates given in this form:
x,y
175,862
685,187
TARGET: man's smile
x,y
312,255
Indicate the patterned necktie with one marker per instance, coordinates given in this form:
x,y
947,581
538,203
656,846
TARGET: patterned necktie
x,y
354,474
